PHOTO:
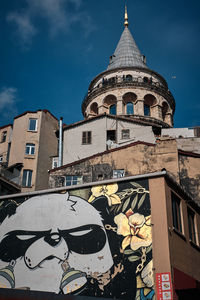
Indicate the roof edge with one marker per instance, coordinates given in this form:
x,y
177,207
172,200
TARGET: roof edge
x,y
100,154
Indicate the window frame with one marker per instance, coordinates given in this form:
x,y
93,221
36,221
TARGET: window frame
x,y
192,229
129,108
125,134
86,137
177,212
118,173
73,180
29,124
27,178
113,109
30,147
147,107
55,162
4,136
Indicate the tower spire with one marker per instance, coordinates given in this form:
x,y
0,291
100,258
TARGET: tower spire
x,y
126,17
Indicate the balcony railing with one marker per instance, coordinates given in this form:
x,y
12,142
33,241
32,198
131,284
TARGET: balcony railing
x,y
115,82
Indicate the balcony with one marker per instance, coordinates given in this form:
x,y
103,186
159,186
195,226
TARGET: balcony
x,y
135,82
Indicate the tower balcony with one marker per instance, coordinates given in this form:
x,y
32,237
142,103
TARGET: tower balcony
x,y
131,82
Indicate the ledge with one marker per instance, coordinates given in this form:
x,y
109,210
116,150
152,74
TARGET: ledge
x,y
180,234
197,247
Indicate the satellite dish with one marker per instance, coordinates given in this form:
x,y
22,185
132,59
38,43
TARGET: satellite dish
x,y
109,143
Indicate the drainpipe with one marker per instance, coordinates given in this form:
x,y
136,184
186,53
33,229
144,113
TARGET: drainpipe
x,y
60,142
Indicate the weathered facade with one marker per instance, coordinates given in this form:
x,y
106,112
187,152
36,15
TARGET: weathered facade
x,y
111,239
29,142
134,159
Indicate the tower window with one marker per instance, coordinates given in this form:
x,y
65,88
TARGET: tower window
x,y
86,137
113,109
129,77
146,110
129,108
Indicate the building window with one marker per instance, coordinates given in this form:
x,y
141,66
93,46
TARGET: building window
x,y
27,178
191,225
54,162
125,134
111,135
86,137
73,180
32,126
30,149
118,173
129,108
3,137
176,212
112,109
1,158
146,110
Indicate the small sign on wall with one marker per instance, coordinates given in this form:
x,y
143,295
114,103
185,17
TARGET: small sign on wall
x,y
164,286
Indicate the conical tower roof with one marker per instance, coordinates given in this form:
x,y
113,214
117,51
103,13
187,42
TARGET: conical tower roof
x,y
127,53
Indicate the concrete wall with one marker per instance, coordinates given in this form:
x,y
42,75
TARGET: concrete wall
x,y
178,132
189,144
73,149
135,159
172,248
48,147
21,136
95,241
45,142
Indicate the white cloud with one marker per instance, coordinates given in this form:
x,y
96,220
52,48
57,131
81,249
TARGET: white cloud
x,y
8,101
24,27
59,14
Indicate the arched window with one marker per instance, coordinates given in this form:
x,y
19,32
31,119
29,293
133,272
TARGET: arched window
x,y
149,101
129,108
146,110
129,77
165,109
94,108
112,109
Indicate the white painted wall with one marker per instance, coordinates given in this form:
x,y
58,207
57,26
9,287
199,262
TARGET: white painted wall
x,y
178,132
74,150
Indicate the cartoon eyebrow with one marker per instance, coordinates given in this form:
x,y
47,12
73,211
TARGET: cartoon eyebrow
x,y
25,236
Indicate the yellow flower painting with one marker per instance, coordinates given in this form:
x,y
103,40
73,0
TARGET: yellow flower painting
x,y
136,229
109,191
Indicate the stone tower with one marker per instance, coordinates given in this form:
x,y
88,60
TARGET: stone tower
x,y
129,88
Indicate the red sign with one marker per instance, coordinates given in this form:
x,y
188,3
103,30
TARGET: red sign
x,y
164,286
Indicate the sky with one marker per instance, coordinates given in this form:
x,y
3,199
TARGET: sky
x,y
50,50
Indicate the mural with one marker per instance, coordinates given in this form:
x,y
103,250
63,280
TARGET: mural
x,y
95,242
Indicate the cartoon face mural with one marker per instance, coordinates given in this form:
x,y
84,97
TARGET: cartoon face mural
x,y
98,245
48,230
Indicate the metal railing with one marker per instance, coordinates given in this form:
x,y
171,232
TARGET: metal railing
x,y
134,82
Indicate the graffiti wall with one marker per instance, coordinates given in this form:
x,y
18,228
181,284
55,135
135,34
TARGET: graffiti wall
x,y
94,241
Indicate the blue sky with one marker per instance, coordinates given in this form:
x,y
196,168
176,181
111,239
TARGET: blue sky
x,y
51,49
